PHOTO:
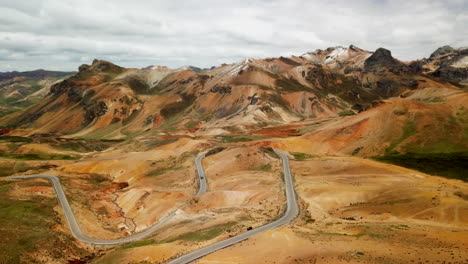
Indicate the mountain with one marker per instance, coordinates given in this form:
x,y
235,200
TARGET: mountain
x,y
21,89
123,142
107,101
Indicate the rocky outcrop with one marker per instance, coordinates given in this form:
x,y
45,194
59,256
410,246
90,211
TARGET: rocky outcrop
x,y
454,74
452,64
105,66
381,61
83,67
149,120
221,89
442,51
138,85
94,110
417,67
318,76
62,87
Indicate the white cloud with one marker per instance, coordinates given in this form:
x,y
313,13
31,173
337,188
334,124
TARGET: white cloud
x,y
62,34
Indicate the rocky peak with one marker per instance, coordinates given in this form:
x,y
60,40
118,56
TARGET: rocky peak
x,y
105,66
442,51
382,60
354,48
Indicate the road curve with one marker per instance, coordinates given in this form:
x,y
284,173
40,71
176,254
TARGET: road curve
x,y
74,227
292,210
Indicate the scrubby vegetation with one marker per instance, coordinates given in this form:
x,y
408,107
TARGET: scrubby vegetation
x,y
450,165
238,138
140,243
10,169
25,226
38,156
202,235
265,167
291,85
15,139
409,129
178,107
301,156
346,112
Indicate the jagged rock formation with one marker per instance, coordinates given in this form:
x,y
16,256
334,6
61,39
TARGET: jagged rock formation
x,y
382,60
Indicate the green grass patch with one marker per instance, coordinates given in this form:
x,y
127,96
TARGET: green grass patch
x,y
346,112
162,170
97,178
265,167
291,85
238,138
10,110
191,124
203,235
16,139
18,167
140,243
301,156
38,156
105,132
10,170
25,225
409,129
229,139
176,108
6,170
449,165
154,143
85,145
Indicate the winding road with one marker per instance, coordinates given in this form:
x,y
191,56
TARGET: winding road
x,y
291,212
75,229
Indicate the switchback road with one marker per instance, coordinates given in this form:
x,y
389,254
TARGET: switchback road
x,y
291,212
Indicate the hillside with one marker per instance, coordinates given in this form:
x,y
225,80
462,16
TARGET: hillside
x,y
122,141
106,101
21,89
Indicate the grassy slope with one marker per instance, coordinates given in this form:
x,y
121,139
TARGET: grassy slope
x,y
25,226
450,165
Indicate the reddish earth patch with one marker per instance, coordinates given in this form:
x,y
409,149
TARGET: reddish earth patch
x,y
192,130
120,185
281,131
157,121
5,131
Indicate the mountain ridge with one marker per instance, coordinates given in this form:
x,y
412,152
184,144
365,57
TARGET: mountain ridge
x,y
104,100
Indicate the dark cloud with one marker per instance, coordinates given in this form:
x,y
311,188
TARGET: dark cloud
x,y
62,34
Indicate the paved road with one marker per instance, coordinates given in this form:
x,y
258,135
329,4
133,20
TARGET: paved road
x,y
203,186
292,211
74,227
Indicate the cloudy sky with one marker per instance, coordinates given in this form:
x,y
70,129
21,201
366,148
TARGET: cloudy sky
x,y
62,34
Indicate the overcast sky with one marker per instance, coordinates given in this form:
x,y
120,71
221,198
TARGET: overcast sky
x,y
63,34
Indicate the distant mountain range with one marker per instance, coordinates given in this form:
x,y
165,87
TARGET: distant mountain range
x,y
426,97
21,89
